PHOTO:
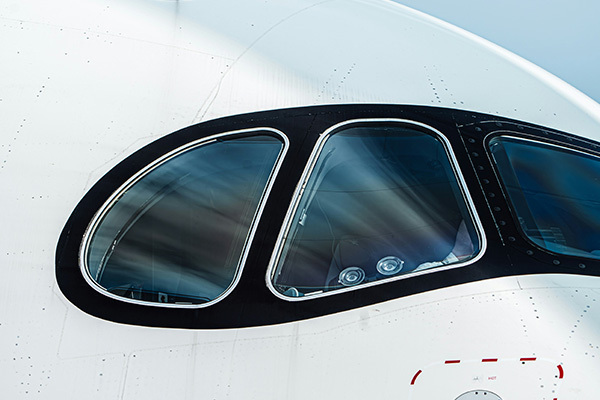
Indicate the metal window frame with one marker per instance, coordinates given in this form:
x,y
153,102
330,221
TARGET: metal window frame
x,y
107,206
299,191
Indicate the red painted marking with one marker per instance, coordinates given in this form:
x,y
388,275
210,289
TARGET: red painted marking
x,y
452,361
489,360
415,377
561,373
528,359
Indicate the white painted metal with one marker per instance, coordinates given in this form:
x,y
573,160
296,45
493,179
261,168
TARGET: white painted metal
x,y
478,394
84,83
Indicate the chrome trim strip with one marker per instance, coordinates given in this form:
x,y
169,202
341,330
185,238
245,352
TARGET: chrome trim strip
x,y
277,252
83,250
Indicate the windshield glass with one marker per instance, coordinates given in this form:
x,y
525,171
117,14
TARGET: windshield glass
x,y
178,234
555,193
381,202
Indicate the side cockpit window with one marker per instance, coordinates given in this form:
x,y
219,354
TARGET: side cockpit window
x,y
380,201
554,192
178,232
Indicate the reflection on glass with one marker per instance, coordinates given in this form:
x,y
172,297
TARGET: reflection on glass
x,y
381,201
555,193
178,234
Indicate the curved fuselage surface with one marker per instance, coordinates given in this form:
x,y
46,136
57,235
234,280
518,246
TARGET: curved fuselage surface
x,y
101,98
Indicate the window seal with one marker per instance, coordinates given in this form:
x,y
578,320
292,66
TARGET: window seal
x,y
105,208
301,186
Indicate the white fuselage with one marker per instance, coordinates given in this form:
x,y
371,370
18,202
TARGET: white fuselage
x,y
84,84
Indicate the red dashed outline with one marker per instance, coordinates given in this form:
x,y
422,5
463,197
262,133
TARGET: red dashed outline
x,y
561,372
415,377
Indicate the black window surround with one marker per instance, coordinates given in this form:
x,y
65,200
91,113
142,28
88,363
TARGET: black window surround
x,y
251,303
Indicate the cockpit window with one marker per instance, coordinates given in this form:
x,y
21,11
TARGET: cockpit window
x,y
554,192
381,201
178,232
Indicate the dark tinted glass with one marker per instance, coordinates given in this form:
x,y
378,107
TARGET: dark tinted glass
x,y
555,193
177,235
380,202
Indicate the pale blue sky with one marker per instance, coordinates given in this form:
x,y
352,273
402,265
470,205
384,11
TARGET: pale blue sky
x,y
561,36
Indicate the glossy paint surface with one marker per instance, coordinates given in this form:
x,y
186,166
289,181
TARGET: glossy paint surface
x,y
83,88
